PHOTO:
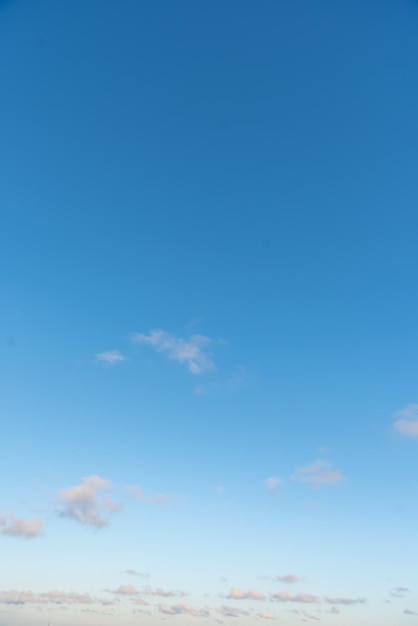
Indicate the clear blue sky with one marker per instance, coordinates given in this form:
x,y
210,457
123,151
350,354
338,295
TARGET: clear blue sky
x,y
208,322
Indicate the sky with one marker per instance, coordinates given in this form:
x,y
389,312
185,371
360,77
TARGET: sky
x,y
209,305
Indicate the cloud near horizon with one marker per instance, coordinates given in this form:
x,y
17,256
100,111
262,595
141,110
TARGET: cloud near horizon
x,y
17,527
251,594
191,352
287,596
407,421
183,609
83,504
318,474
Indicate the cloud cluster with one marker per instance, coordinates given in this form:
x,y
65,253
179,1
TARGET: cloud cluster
x,y
407,421
17,527
84,503
50,597
251,594
318,474
190,352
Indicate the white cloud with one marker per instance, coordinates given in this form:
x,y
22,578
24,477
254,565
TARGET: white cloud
x,y
191,352
407,421
287,596
317,474
83,503
266,615
273,484
251,594
111,357
17,527
138,494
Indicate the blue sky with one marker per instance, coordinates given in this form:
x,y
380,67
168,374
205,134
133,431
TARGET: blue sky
x,y
209,312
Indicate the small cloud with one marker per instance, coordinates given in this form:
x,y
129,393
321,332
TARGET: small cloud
x,y
266,615
334,610
232,611
219,489
112,357
273,484
318,474
289,579
134,572
407,421
191,352
409,612
163,593
124,590
251,594
183,609
17,527
287,596
399,592
345,601
83,503
138,494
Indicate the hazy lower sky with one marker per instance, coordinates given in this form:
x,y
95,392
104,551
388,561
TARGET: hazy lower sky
x,y
209,312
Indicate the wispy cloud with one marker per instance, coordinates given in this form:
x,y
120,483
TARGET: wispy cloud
x,y
49,597
286,578
183,609
232,611
266,615
191,352
410,612
273,484
17,527
138,494
111,357
163,593
84,504
251,594
287,596
318,474
345,601
399,592
407,421
134,572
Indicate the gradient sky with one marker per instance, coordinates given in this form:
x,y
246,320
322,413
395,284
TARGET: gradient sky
x,y
209,312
